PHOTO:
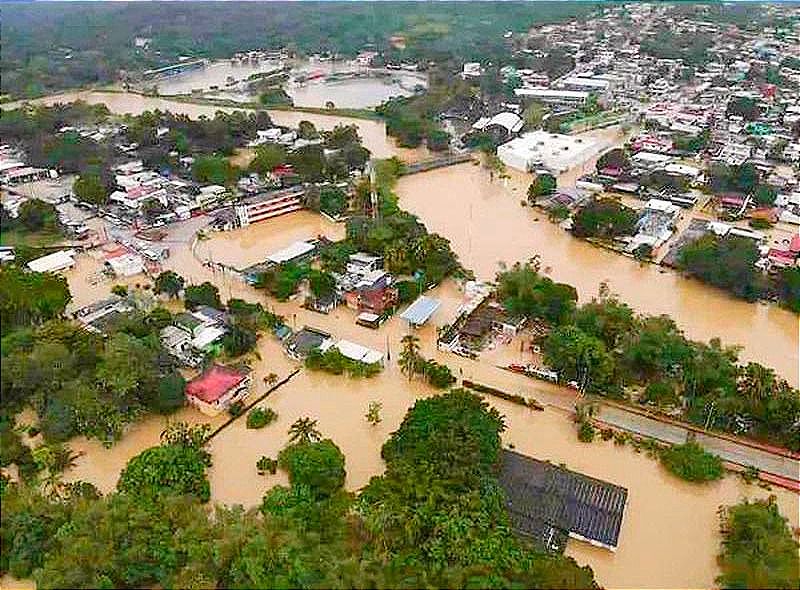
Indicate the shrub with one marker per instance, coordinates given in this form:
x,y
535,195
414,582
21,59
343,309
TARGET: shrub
x,y
236,409
265,465
586,431
167,469
318,465
758,549
692,463
260,417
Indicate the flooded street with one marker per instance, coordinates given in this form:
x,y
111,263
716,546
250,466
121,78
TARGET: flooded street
x,y
486,225
670,527
669,532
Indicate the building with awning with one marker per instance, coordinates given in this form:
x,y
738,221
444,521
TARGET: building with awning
x,y
421,310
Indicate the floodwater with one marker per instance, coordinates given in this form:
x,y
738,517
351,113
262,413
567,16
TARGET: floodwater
x,y
355,93
373,133
669,535
486,225
214,74
246,246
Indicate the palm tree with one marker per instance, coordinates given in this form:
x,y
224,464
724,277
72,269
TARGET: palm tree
x,y
270,380
409,356
304,430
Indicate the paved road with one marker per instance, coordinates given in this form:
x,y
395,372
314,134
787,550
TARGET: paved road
x,y
726,449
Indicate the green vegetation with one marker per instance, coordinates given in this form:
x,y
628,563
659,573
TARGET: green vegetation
x,y
604,218
214,170
543,184
398,236
745,107
203,294
30,297
608,350
267,158
176,467
261,417
90,188
728,263
758,549
281,281
169,282
439,504
266,465
317,465
692,463
274,96
524,292
333,361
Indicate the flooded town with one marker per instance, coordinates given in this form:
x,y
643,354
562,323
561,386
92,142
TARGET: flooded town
x,y
382,315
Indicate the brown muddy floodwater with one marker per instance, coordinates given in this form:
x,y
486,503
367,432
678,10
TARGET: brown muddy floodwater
x,y
669,535
668,538
486,225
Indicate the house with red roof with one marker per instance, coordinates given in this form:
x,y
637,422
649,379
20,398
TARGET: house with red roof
x,y
217,389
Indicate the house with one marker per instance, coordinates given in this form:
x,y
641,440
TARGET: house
x,y
294,252
362,263
178,343
217,389
549,504
300,344
97,317
359,353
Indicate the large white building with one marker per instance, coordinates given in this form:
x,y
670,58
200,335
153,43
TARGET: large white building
x,y
550,96
539,149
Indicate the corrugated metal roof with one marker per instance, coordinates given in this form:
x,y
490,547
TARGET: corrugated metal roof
x,y
421,310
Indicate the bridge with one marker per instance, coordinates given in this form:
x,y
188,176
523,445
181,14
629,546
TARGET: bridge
x,y
432,164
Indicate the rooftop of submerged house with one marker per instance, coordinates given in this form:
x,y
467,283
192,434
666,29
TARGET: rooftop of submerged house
x,y
550,503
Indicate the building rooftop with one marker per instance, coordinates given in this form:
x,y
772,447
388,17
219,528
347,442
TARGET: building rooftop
x,y
547,502
214,383
421,310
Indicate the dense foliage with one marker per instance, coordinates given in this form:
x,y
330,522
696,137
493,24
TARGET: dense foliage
x,y
333,361
63,47
76,381
604,218
758,549
439,505
728,263
609,350
435,519
167,469
692,463
398,236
